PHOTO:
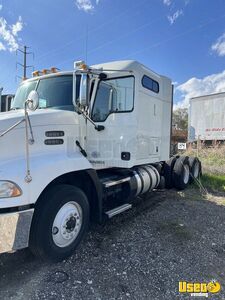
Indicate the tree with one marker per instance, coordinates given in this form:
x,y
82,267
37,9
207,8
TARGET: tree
x,y
180,118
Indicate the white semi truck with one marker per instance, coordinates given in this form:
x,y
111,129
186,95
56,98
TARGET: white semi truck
x,y
78,147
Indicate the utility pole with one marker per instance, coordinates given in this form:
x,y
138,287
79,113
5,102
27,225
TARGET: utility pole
x,y
24,65
25,62
1,89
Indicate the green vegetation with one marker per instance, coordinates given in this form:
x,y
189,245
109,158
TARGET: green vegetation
x,y
180,118
213,159
213,167
214,182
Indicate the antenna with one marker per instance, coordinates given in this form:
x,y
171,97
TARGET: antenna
x,y
86,46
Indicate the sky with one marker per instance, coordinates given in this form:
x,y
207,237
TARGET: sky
x,y
181,39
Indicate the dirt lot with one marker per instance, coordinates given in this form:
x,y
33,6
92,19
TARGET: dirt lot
x,y
141,254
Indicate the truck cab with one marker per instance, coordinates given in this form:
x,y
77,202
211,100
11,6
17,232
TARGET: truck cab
x,y
79,146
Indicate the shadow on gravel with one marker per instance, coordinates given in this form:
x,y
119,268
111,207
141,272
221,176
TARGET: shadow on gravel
x,y
142,254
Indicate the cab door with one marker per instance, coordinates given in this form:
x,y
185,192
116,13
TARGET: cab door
x,y
112,106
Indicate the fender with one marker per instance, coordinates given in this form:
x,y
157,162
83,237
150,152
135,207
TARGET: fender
x,y
44,169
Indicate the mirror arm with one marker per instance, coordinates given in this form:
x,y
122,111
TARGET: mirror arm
x,y
31,140
11,128
97,127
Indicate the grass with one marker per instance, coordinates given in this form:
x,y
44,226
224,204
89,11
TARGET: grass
x,y
213,159
213,182
213,167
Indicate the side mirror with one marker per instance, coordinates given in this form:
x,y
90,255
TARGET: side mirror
x,y
32,101
83,98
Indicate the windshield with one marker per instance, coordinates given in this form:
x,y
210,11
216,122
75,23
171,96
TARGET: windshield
x,y
55,92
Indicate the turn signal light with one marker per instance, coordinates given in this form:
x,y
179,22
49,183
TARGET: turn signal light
x,y
36,73
80,65
44,72
54,70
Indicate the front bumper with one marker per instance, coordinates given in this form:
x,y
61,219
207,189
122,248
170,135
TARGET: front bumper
x,y
15,230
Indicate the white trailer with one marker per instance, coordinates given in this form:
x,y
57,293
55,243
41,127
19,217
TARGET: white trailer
x,y
81,145
5,102
207,118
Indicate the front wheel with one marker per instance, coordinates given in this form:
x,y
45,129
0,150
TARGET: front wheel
x,y
60,221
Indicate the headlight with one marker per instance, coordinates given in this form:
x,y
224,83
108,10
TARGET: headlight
x,y
9,189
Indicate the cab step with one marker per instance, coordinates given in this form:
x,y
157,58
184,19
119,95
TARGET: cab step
x,y
118,210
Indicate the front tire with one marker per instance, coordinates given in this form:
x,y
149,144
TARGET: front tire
x,y
60,221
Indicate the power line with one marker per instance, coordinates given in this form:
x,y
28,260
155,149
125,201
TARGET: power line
x,y
164,41
116,39
92,30
157,44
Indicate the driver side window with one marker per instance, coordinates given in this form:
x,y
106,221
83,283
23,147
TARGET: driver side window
x,y
113,95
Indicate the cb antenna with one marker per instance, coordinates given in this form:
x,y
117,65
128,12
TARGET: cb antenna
x,y
86,45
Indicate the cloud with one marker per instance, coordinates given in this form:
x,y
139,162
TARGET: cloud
x,y
17,27
175,9
167,2
194,87
8,34
2,47
172,18
219,45
86,5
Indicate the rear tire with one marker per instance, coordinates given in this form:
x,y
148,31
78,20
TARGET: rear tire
x,y
162,183
168,172
181,173
60,222
195,168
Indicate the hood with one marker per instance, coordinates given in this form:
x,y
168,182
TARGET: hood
x,y
12,144
40,117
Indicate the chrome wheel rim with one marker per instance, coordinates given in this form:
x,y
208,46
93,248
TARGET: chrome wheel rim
x,y
186,174
67,224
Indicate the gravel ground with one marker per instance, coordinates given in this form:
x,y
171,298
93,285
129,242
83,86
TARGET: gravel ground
x,y
141,254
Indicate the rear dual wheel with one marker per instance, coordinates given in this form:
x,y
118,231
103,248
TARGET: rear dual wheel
x,y
181,173
195,168
168,172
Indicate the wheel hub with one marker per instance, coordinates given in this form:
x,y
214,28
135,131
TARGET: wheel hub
x,y
71,224
67,224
